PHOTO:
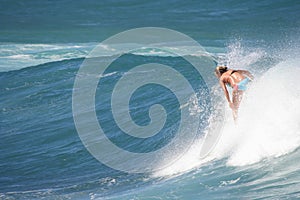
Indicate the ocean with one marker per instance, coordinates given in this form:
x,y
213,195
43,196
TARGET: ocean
x,y
118,100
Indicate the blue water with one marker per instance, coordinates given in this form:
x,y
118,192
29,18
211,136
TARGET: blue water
x,y
44,43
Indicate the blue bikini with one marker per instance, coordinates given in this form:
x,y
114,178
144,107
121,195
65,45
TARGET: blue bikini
x,y
242,85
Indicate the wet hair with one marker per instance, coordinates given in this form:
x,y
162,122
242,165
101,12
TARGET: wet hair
x,y
221,69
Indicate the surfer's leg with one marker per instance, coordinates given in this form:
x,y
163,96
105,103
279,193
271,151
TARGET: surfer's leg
x,y
236,100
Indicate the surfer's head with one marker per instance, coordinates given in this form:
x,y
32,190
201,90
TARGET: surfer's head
x,y
220,70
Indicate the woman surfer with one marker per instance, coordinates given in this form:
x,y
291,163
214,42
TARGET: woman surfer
x,y
237,80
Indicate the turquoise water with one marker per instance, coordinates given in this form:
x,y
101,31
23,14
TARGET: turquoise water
x,y
42,46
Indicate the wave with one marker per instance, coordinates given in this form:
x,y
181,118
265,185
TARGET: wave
x,y
19,56
271,133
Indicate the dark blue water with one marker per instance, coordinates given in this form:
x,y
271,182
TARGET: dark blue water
x,y
92,21
44,43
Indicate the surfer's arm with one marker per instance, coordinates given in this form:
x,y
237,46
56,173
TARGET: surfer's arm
x,y
247,73
222,83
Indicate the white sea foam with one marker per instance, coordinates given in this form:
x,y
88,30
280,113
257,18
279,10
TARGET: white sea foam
x,y
268,124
